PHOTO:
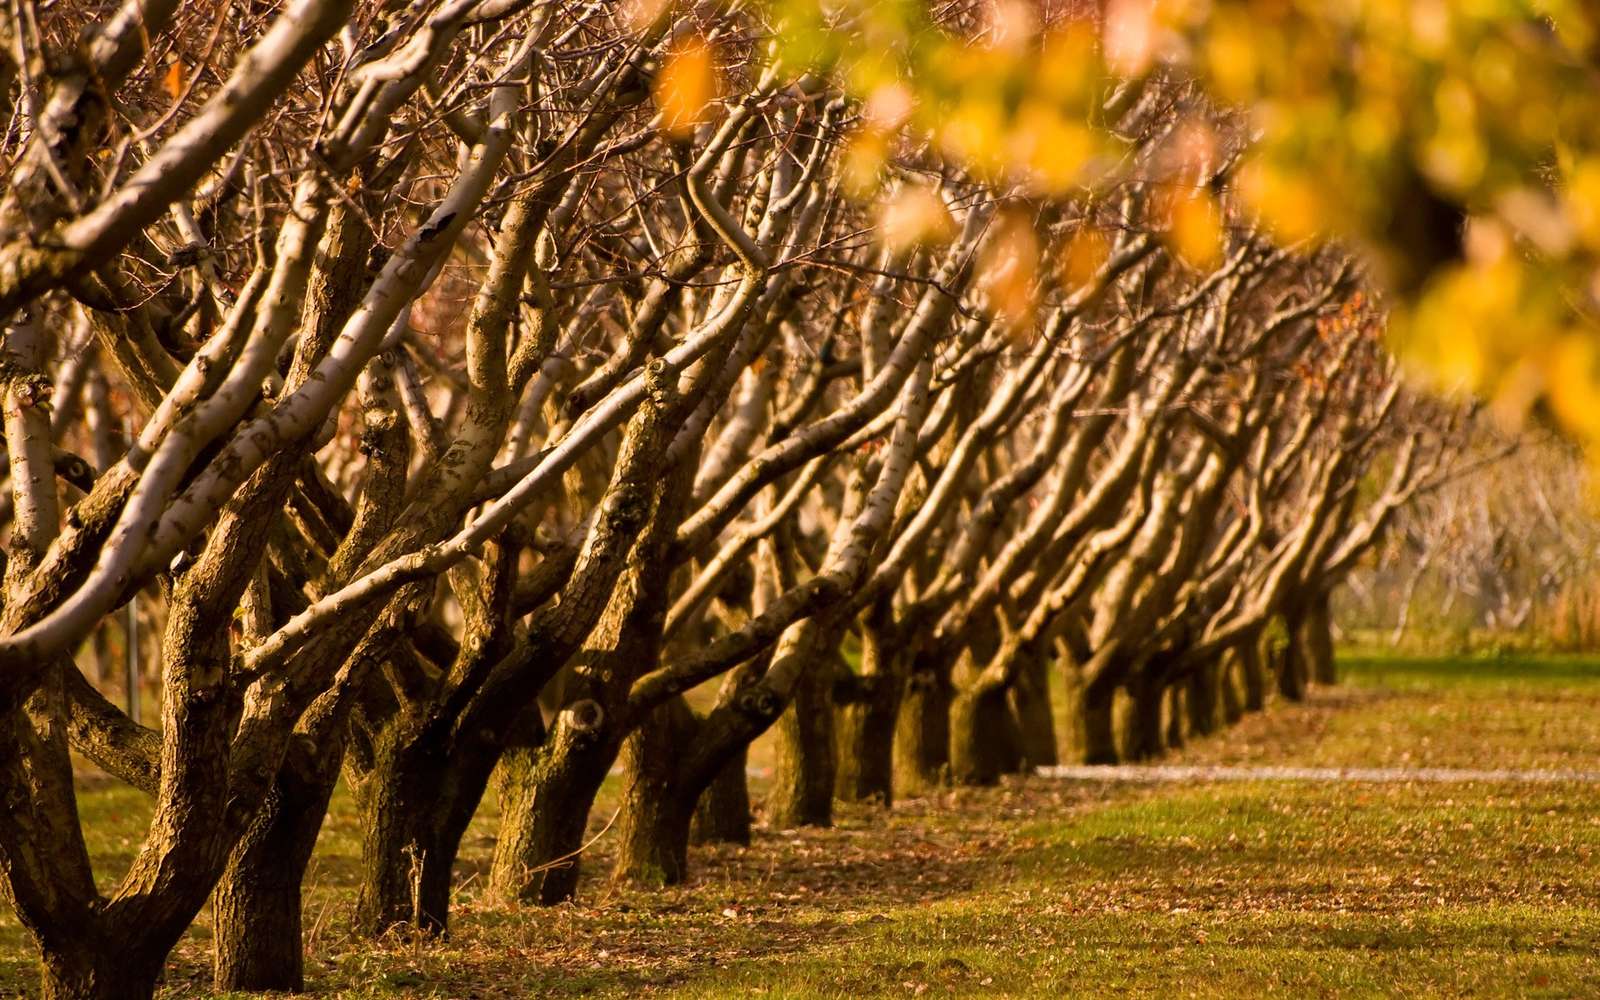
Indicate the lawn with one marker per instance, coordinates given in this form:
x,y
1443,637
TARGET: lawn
x,y
1045,888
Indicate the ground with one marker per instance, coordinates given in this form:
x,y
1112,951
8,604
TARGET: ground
x,y
1052,888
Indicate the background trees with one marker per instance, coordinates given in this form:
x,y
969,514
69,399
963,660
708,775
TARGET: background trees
x,y
464,386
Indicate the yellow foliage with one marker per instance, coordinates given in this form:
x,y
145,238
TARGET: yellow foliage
x,y
1194,228
1049,150
686,86
1084,254
1287,201
861,166
1008,270
913,216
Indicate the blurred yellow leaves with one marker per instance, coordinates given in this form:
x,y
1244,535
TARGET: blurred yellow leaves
x,y
686,85
912,217
1130,36
1081,258
174,79
1582,197
1287,201
1008,269
1194,227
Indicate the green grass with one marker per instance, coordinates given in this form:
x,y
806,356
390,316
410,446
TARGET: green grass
x,y
1054,889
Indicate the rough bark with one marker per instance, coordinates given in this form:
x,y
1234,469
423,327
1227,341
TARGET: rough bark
x,y
1229,681
1177,714
1253,674
922,734
96,972
723,815
1147,734
256,905
1203,696
1316,640
1100,723
653,844
1293,670
1035,717
802,792
866,728
983,738
546,794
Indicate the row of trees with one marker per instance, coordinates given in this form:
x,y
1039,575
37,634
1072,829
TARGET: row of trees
x,y
468,382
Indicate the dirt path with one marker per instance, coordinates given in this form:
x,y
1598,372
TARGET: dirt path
x,y
1156,773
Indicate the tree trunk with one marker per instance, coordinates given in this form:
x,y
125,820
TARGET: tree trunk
x,y
416,804
1098,706
546,794
101,970
653,848
1229,677
1201,697
802,793
1030,705
980,736
723,815
1316,639
1146,739
1253,674
865,731
1177,698
922,733
256,906
1292,669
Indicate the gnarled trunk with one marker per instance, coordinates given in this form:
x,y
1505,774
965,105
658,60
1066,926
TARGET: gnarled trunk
x,y
1229,679
1098,707
1253,674
546,794
1292,666
1146,737
653,847
802,793
922,733
1316,640
1177,713
982,736
723,815
865,737
1030,706
416,802
101,970
1203,696
256,906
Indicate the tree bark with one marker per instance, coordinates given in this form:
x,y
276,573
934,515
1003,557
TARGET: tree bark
x,y
653,849
983,736
866,729
1253,673
257,905
802,793
416,802
723,815
1177,699
1316,640
1202,695
1292,666
1098,706
1030,705
97,971
1229,677
922,734
546,795
1146,738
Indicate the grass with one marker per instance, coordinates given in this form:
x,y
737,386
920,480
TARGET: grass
x,y
1062,889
